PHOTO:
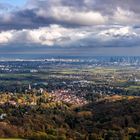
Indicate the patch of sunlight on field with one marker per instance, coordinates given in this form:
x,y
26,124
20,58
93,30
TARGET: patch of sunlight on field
x,y
102,70
130,97
121,80
133,87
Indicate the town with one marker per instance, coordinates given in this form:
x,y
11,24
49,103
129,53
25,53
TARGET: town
x,y
65,96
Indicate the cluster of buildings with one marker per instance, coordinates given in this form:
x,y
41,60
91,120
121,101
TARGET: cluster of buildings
x,y
68,97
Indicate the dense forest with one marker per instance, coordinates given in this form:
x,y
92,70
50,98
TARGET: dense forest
x,y
104,120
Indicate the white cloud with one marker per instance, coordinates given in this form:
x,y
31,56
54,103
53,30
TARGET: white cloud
x,y
5,37
70,15
56,35
118,32
53,35
122,16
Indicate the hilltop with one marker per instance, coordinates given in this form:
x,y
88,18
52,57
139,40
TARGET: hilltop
x,y
114,117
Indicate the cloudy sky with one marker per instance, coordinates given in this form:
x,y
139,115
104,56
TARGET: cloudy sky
x,y
70,27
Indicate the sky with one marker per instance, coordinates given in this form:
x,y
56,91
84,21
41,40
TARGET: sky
x,y
70,28
13,2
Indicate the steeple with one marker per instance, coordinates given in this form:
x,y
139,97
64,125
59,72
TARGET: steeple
x,y
30,87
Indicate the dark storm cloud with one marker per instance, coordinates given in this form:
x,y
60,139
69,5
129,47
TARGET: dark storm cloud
x,y
37,13
111,5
